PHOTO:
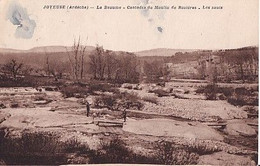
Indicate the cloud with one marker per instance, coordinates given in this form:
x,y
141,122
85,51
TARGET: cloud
x,y
18,16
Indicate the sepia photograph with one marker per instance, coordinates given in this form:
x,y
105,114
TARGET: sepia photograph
x,y
134,82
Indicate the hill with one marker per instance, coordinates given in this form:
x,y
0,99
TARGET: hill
x,y
36,56
162,52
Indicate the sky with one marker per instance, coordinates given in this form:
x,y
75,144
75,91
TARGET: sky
x,y
25,24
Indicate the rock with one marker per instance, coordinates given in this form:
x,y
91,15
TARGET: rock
x,y
14,105
220,96
161,84
50,88
4,116
77,95
240,128
182,91
223,158
137,87
40,102
2,106
127,86
168,90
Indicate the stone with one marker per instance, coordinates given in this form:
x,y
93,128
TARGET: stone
x,y
240,128
223,158
2,106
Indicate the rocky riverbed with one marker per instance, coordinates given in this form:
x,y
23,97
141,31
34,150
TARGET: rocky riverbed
x,y
28,110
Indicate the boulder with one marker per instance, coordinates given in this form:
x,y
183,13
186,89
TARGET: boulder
x,y
42,102
220,96
182,91
240,128
4,116
223,158
2,106
127,86
168,90
14,105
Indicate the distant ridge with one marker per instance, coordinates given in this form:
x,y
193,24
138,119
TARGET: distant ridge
x,y
43,49
158,52
163,52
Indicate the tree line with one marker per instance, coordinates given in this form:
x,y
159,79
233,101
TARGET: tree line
x,y
101,64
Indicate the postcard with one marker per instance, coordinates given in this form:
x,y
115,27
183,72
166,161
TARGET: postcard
x,y
109,82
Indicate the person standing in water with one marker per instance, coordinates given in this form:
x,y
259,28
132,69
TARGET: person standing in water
x,y
124,115
88,108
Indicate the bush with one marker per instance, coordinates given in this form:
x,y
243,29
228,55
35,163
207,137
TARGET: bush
x,y
105,101
113,152
118,101
243,100
74,146
116,151
202,149
31,148
73,90
211,91
170,154
80,90
129,101
102,87
16,83
235,96
39,148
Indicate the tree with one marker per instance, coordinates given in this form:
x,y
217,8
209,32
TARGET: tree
x,y
242,62
13,68
76,59
155,70
127,68
57,69
96,62
106,64
111,64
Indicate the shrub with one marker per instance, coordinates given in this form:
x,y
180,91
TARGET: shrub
x,y
113,152
202,149
211,91
244,96
31,148
74,146
251,110
118,101
129,101
102,87
73,90
105,101
39,148
116,151
235,96
239,100
171,154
